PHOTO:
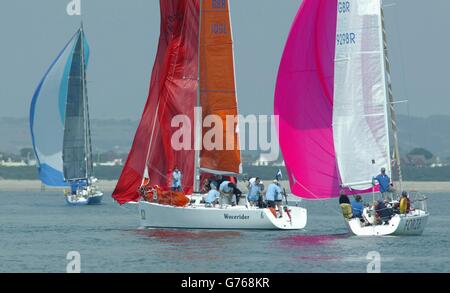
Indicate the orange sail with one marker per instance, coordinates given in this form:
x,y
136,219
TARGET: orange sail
x,y
218,88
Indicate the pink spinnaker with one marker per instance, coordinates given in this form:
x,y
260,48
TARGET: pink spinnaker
x,y
304,102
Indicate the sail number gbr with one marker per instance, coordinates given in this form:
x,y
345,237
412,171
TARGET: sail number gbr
x,y
344,7
219,28
347,38
219,4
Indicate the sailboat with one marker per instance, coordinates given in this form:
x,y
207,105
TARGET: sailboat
x,y
334,99
60,125
193,77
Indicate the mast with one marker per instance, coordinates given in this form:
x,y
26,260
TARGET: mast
x,y
198,113
85,105
391,103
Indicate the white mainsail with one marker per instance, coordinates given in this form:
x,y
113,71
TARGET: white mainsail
x,y
360,113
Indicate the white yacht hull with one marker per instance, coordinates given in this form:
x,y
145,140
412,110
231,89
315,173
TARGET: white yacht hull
x,y
94,199
154,215
412,224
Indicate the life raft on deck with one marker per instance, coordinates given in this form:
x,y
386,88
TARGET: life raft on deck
x,y
156,194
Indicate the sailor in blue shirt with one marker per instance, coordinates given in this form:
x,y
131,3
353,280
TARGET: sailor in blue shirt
x,y
212,198
176,183
357,207
74,188
226,188
255,189
274,196
78,186
385,185
272,191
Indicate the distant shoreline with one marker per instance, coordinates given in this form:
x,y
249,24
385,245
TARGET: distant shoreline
x,y
108,186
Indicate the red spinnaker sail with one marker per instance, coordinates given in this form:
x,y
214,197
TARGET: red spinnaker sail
x,y
173,91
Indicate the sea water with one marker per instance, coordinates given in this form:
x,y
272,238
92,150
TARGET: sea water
x,y
38,230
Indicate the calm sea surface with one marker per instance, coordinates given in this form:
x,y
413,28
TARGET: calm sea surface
x,y
37,230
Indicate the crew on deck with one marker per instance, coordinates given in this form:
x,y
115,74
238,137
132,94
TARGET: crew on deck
x,y
383,213
405,203
176,180
227,190
212,198
217,181
346,206
274,196
79,185
357,207
386,188
255,190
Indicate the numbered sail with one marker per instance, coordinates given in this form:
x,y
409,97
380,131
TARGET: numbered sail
x,y
48,115
77,156
360,113
218,89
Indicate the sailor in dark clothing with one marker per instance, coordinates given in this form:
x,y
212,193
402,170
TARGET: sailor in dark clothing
x,y
237,193
384,214
346,206
343,199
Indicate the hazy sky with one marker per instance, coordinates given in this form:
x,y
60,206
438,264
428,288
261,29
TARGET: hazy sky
x,y
123,36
